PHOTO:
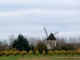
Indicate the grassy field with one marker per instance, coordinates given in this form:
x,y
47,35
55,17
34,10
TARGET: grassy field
x,y
41,57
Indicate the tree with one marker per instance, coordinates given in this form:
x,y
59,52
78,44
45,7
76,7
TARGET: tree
x,y
67,47
21,43
40,47
60,42
11,39
32,47
1,47
4,45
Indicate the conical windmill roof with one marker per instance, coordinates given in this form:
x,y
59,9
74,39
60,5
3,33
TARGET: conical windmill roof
x,y
51,37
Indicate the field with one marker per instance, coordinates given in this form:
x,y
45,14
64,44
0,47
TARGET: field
x,y
41,57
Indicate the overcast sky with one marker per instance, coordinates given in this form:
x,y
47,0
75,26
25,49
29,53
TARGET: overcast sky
x,y
29,17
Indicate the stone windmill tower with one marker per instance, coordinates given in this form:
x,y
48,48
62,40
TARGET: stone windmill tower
x,y
51,40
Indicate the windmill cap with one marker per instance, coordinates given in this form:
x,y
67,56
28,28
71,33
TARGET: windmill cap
x,y
51,37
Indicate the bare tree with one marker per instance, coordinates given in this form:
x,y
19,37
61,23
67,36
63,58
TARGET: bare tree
x,y
11,39
33,41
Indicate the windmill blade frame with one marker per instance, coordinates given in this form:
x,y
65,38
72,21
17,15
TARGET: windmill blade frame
x,y
55,33
46,31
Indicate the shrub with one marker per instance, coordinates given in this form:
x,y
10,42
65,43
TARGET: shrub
x,y
7,53
64,52
68,47
37,52
2,53
43,52
16,53
30,52
57,52
72,52
13,49
78,51
23,52
50,52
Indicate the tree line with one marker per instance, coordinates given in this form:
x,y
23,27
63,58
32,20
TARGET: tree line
x,y
29,43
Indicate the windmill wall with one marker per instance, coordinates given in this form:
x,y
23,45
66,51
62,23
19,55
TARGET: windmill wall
x,y
51,44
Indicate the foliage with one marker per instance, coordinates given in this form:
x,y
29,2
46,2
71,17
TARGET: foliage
x,y
23,52
13,49
50,52
3,45
37,52
78,51
30,52
64,52
57,52
72,52
21,43
43,52
67,47
32,47
16,53
2,53
7,53
40,47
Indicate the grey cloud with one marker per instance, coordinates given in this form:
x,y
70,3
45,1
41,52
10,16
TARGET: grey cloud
x,y
28,17
42,4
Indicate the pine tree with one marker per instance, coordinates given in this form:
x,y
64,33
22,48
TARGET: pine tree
x,y
21,43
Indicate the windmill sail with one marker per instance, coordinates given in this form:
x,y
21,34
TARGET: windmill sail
x,y
51,40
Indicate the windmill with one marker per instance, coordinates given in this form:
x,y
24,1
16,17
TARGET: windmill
x,y
51,40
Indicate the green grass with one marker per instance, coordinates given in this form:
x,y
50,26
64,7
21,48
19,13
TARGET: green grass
x,y
41,57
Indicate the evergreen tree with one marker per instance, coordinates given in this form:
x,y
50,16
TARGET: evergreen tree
x,y
21,43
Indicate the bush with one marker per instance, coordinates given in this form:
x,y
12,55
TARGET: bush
x,y
13,49
16,53
50,52
7,53
30,52
2,53
64,52
67,47
72,52
78,51
43,52
57,52
37,52
23,52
